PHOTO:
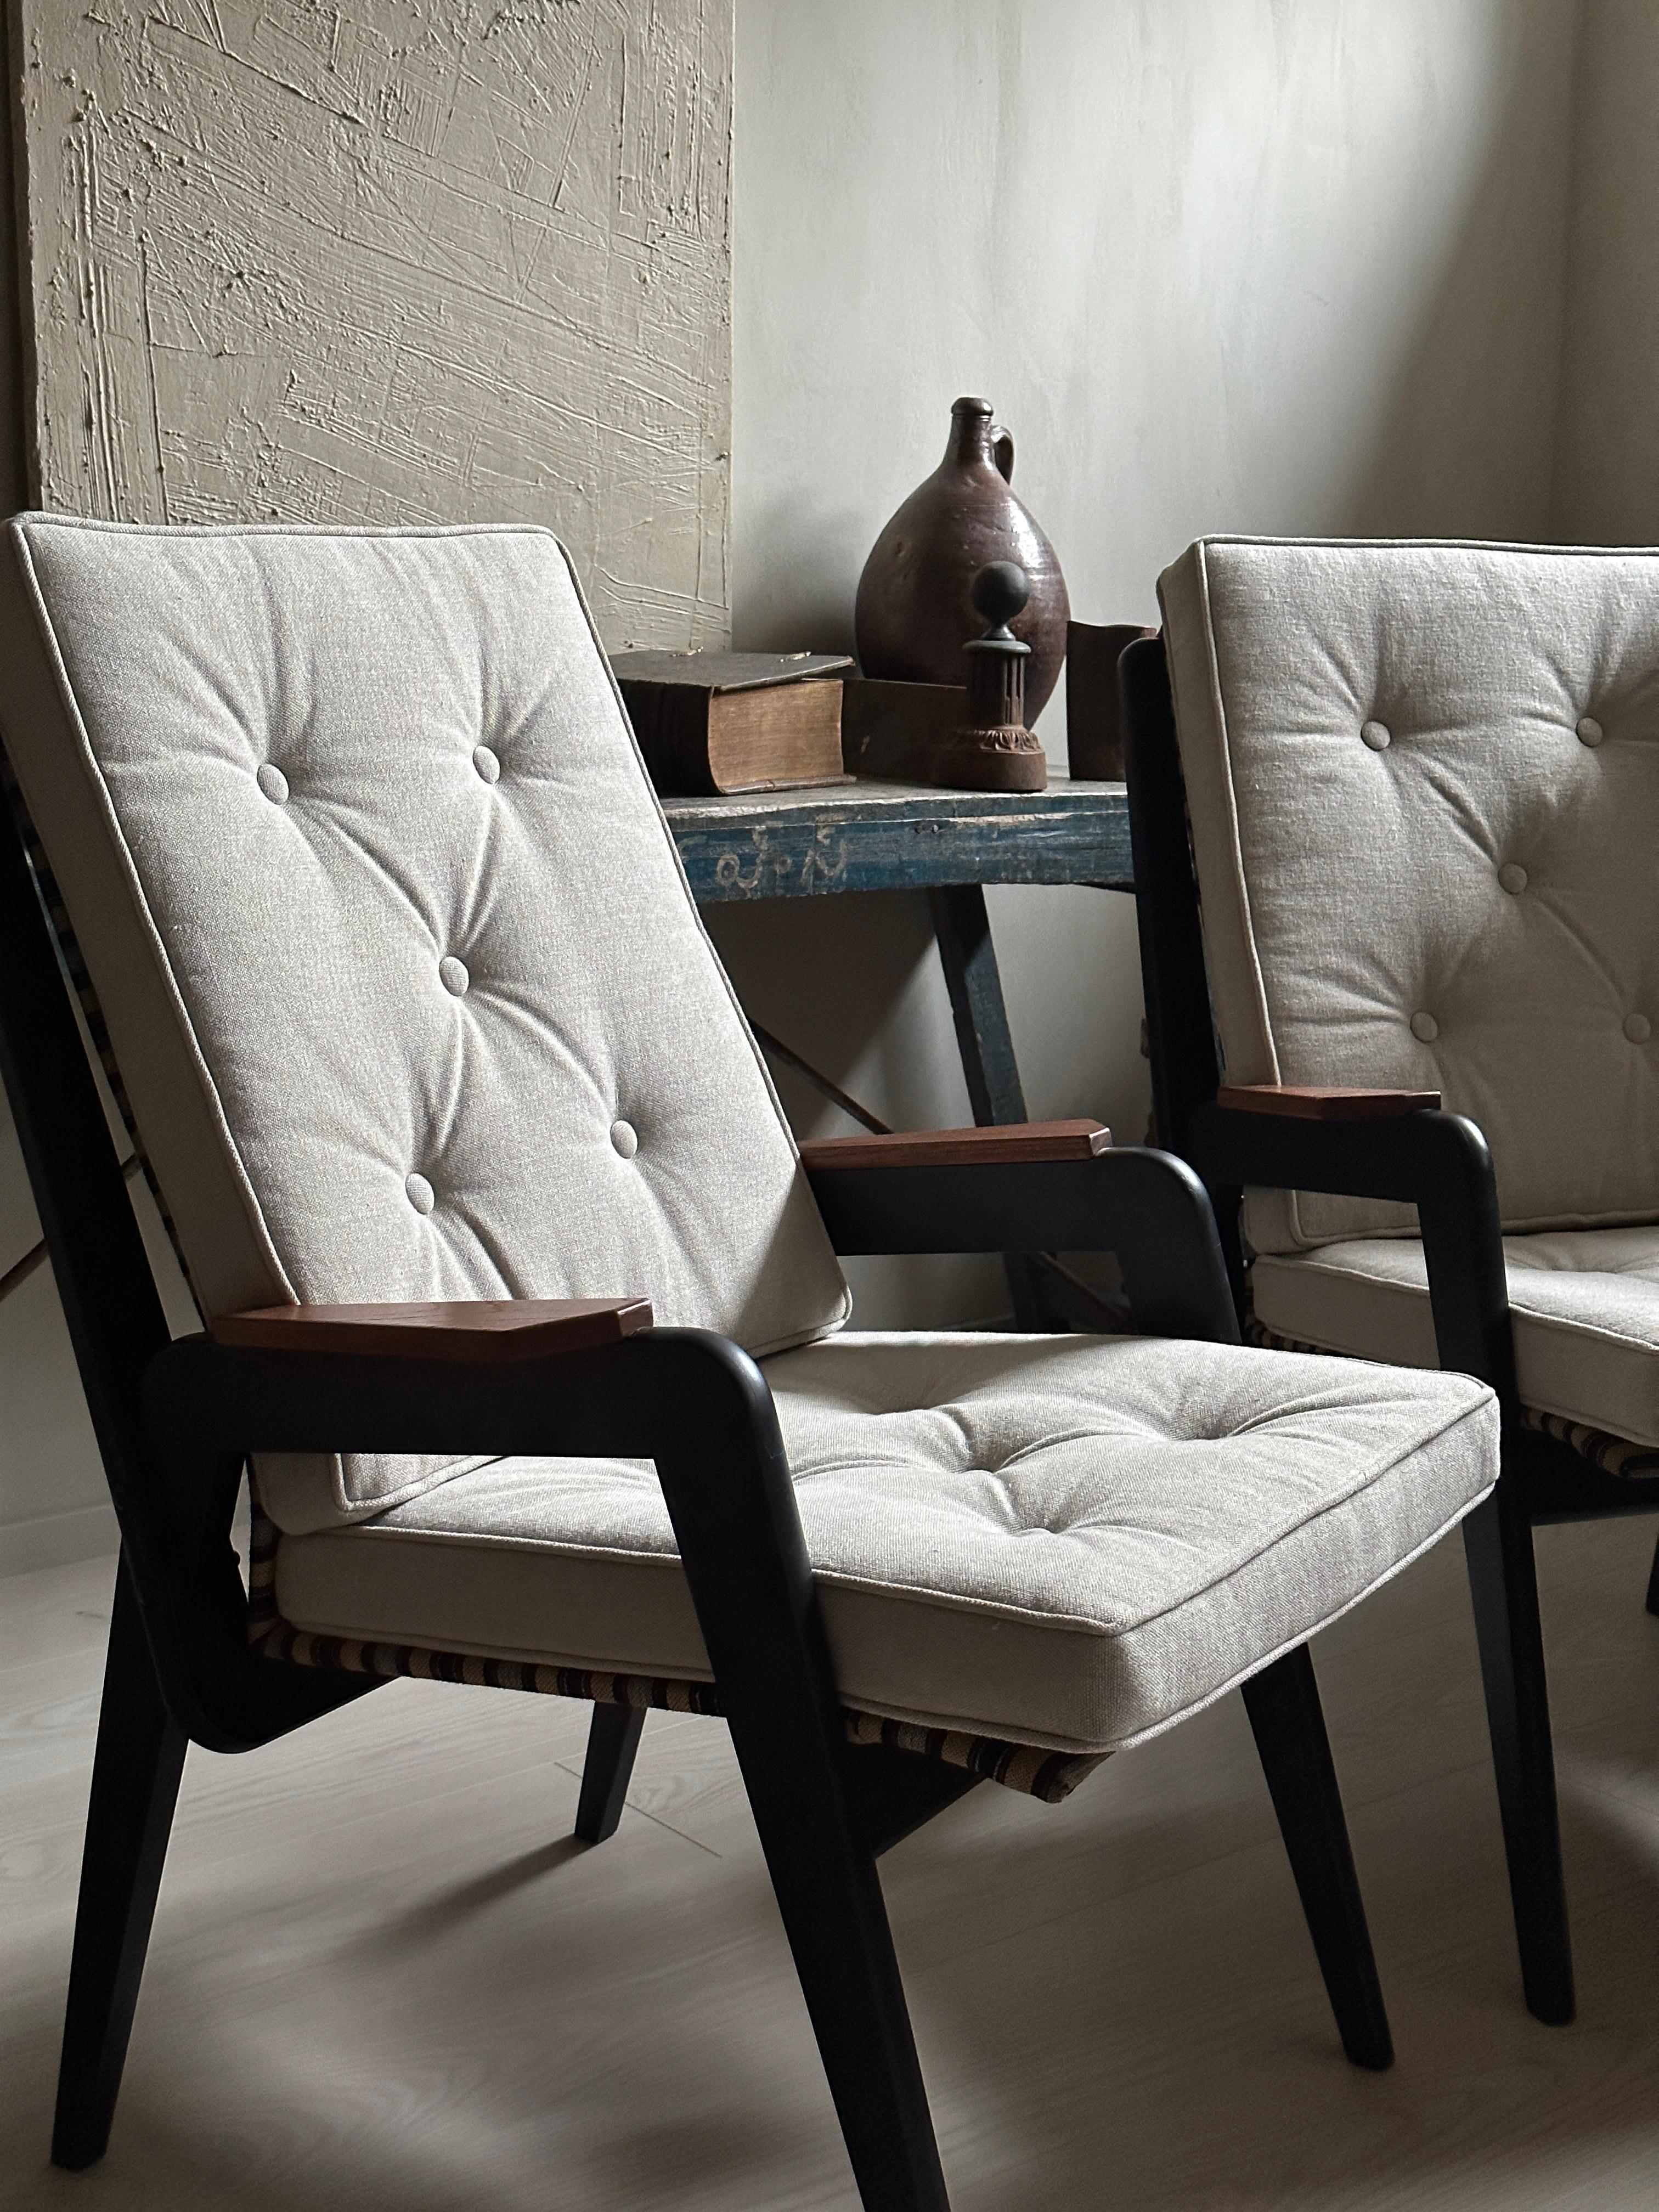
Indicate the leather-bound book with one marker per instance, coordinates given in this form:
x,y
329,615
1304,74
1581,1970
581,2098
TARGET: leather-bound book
x,y
713,722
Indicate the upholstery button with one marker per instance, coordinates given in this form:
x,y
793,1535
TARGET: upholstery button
x,y
453,973
1424,1028
1512,878
420,1192
1637,1028
271,781
1590,731
1377,736
625,1138
486,763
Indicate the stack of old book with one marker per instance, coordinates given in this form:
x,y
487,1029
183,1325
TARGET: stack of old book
x,y
712,722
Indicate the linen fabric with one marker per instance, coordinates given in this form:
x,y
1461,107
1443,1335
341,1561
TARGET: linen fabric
x,y
1584,1306
403,974
1423,789
1063,1541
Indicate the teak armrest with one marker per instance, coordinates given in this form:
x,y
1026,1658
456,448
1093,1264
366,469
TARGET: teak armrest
x,y
1325,1102
961,1148
486,1331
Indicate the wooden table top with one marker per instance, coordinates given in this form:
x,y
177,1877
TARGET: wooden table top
x,y
870,836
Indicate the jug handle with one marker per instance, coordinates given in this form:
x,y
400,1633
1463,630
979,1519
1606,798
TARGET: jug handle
x,y
1002,451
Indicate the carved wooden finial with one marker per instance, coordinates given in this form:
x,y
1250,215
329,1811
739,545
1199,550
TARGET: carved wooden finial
x,y
994,751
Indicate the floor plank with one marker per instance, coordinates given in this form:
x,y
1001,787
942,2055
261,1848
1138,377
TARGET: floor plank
x,y
384,1977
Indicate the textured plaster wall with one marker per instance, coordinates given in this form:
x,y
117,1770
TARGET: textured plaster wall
x,y
1606,473
1270,265
375,260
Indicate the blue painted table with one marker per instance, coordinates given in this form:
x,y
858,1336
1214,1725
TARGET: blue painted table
x,y
892,836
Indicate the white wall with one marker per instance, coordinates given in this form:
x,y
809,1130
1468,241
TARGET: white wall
x,y
1269,266
1606,473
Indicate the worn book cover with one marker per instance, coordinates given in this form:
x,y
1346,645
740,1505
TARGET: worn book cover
x,y
715,722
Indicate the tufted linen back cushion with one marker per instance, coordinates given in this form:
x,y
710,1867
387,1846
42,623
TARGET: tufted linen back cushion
x,y
1423,789
397,956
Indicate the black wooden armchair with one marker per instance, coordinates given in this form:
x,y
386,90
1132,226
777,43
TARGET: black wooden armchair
x,y
1394,830
346,846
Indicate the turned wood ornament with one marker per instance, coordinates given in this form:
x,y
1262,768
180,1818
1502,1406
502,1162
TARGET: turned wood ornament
x,y
914,611
993,751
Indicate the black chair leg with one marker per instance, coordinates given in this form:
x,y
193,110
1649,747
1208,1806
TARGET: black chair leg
x,y
1283,1704
733,1504
1503,1584
829,1896
612,1741
1653,1582
134,1785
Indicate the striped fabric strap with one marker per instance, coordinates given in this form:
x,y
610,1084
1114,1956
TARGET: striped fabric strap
x,y
1615,1456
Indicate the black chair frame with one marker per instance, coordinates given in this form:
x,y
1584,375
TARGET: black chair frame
x,y
1441,1163
175,1421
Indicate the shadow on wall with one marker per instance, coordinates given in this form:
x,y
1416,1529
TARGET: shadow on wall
x,y
1605,490
1464,445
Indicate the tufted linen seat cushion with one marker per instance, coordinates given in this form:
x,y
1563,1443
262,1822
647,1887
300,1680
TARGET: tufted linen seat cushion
x,y
1423,789
1069,1543
1585,1306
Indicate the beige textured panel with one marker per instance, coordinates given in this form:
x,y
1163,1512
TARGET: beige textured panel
x,y
376,262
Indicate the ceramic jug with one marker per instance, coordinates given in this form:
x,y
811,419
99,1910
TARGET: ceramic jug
x,y
913,617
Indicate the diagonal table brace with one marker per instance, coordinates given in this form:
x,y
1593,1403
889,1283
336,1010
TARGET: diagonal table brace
x,y
968,958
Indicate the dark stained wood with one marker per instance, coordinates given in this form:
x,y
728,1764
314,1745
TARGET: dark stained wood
x,y
962,929
885,728
135,1774
1325,1102
923,1148
1094,705
893,836
486,1330
993,750
613,1737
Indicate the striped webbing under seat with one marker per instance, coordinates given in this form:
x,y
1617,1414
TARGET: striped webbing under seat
x,y
1049,1774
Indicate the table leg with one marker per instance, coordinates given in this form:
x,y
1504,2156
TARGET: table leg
x,y
968,958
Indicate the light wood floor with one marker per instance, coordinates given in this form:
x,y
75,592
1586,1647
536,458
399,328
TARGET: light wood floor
x,y
383,1977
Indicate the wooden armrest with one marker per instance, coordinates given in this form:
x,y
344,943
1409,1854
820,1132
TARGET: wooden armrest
x,y
961,1148
486,1330
1324,1102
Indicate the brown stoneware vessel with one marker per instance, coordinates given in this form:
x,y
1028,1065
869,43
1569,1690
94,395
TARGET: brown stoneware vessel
x,y
914,616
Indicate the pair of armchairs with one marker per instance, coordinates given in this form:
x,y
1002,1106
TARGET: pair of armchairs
x,y
523,1310
1395,818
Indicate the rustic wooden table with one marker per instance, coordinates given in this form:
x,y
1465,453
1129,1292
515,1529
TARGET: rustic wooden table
x,y
872,836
